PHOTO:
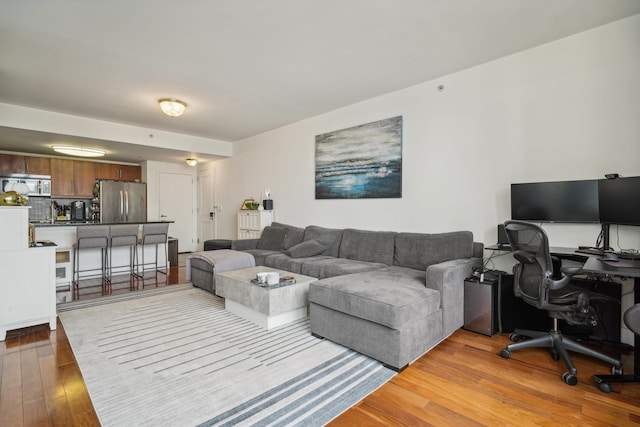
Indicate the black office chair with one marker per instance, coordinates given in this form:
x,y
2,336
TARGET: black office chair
x,y
536,283
632,320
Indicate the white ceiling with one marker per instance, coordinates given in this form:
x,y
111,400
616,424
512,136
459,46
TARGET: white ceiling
x,y
246,67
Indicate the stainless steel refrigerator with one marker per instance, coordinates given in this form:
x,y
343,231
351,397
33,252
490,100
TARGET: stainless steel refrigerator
x,y
123,202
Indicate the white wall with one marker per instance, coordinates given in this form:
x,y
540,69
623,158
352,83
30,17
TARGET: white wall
x,y
566,110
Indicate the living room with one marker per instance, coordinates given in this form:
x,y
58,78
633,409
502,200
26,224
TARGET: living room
x,y
564,110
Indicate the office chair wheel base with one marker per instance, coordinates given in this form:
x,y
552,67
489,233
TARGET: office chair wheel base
x,y
515,337
569,378
617,371
505,354
605,387
555,356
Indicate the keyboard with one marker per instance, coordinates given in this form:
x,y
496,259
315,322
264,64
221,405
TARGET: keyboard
x,y
628,255
590,251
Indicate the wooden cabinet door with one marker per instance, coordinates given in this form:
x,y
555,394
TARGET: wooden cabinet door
x,y
38,165
118,172
106,171
62,178
130,173
84,175
10,163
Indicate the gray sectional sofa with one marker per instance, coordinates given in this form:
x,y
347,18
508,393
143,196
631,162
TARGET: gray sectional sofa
x,y
389,295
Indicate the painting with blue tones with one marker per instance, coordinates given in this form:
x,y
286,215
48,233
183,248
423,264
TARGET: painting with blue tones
x,y
362,162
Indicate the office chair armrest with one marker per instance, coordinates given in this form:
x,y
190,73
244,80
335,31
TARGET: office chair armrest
x,y
566,278
554,285
525,257
571,271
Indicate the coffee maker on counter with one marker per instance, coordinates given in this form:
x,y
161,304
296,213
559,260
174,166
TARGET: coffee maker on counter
x,y
78,211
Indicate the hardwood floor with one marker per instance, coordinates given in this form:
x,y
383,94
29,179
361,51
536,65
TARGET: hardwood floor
x,y
464,382
461,382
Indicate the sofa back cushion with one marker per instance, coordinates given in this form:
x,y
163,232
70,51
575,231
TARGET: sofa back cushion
x,y
416,250
371,246
294,235
328,237
272,238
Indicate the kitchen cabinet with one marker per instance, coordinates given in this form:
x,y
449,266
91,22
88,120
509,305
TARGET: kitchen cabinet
x,y
84,175
62,178
72,178
10,163
28,286
118,172
251,223
37,165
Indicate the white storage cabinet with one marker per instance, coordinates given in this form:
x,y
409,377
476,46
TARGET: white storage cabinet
x,y
251,223
28,279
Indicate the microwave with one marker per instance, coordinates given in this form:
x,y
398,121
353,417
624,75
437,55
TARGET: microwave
x,y
27,185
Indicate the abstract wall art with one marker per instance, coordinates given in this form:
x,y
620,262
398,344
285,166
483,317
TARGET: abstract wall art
x,y
361,162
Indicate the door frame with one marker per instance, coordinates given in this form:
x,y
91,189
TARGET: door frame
x,y
203,174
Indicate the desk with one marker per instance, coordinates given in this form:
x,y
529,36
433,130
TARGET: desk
x,y
624,268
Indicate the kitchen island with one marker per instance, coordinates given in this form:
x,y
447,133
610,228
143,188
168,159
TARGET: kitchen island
x,y
64,234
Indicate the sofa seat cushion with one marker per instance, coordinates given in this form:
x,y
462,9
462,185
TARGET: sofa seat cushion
x,y
261,254
402,275
330,267
284,262
367,296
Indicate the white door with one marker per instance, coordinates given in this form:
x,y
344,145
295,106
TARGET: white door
x,y
206,208
176,203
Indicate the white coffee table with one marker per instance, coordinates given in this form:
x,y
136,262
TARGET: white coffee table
x,y
265,307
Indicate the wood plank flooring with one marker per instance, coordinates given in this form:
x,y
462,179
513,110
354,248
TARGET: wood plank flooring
x,y
461,382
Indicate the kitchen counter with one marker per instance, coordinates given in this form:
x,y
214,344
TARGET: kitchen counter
x,y
85,223
44,243
64,234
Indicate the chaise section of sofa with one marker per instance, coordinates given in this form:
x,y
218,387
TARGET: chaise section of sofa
x,y
397,313
388,320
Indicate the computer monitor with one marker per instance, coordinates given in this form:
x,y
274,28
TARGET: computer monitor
x,y
619,200
560,201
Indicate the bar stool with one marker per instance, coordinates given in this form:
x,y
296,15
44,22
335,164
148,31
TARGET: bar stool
x,y
121,236
154,234
91,238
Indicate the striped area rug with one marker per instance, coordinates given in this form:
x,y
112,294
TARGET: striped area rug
x,y
179,359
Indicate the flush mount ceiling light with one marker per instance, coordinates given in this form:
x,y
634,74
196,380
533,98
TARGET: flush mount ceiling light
x,y
78,151
172,107
192,162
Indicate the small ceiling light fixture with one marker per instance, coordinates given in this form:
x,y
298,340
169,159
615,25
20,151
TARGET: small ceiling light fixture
x,y
192,162
78,151
172,107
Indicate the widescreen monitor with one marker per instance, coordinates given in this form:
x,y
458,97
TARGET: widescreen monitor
x,y
620,201
561,201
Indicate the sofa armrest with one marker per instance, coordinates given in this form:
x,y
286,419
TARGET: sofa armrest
x,y
478,249
244,244
448,279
